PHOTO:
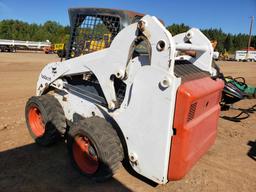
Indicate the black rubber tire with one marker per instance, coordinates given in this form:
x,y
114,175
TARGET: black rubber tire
x,y
61,53
106,143
53,119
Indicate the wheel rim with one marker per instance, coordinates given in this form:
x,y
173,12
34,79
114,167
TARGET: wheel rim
x,y
85,155
36,121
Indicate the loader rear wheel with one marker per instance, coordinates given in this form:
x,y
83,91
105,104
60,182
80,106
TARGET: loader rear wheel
x,y
85,155
95,148
45,119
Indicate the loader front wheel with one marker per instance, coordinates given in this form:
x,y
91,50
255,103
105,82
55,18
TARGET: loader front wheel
x,y
45,119
95,148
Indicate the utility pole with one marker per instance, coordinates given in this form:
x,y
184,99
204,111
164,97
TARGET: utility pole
x,y
250,34
250,37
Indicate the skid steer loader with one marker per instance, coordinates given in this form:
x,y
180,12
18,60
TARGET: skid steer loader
x,y
141,97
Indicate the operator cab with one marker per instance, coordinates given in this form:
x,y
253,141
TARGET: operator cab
x,y
93,29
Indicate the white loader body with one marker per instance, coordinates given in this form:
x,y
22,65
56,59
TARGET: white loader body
x,y
146,114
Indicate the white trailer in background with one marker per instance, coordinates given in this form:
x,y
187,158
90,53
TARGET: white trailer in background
x,y
242,55
11,45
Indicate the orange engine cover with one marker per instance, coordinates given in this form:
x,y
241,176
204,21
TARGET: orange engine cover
x,y
195,120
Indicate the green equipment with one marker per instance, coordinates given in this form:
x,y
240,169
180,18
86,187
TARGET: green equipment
x,y
239,82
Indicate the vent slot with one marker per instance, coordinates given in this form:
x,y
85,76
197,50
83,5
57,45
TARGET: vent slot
x,y
192,111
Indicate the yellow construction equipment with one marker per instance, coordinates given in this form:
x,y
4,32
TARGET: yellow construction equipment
x,y
96,45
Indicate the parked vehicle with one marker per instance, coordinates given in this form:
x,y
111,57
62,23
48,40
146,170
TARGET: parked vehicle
x,y
133,93
243,55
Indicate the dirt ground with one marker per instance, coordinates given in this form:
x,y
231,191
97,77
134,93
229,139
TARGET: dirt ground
x,y
24,166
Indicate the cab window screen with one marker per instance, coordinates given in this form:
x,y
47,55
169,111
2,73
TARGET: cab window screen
x,y
93,33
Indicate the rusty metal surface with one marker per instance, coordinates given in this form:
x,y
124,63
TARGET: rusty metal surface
x,y
128,15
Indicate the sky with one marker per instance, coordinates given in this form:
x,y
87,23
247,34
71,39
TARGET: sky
x,y
232,16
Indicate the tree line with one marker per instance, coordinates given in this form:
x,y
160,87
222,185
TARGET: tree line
x,y
19,30
56,33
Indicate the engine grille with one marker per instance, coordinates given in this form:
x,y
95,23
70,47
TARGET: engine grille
x,y
187,71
